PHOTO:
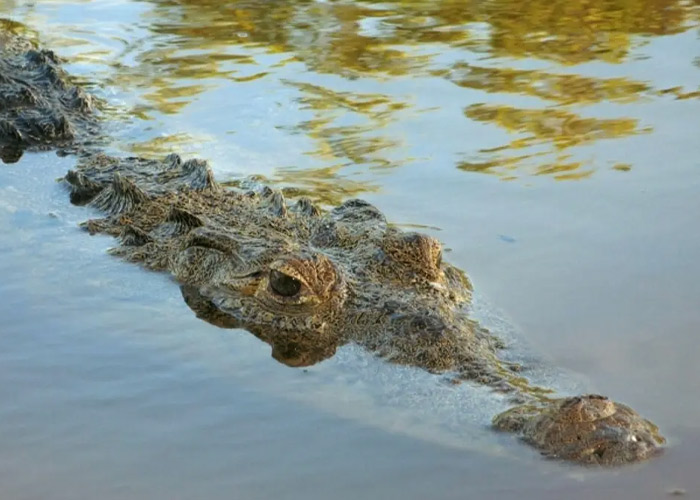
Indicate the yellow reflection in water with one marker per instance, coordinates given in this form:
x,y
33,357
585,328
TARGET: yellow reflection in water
x,y
561,88
558,129
368,36
681,93
161,146
572,32
9,27
359,142
325,186
332,49
396,39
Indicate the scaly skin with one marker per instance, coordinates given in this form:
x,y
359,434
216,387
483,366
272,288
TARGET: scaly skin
x,y
359,279
587,429
303,280
39,107
306,281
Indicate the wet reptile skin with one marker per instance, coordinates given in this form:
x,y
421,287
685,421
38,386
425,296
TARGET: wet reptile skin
x,y
39,106
306,281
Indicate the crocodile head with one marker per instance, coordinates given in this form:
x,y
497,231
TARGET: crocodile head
x,y
289,270
349,277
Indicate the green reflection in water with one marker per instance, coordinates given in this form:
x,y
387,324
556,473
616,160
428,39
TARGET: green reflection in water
x,y
356,143
325,186
333,49
561,88
161,146
370,37
395,39
557,128
15,28
12,32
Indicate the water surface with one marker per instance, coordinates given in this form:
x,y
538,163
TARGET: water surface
x,y
552,146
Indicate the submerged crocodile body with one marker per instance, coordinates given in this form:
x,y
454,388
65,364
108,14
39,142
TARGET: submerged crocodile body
x,y
306,280
39,107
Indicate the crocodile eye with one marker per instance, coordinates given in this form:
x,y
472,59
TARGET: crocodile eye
x,y
284,285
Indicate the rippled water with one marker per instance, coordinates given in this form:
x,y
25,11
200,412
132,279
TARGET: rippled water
x,y
552,145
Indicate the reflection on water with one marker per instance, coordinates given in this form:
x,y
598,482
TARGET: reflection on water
x,y
498,51
162,145
357,38
561,88
324,185
531,72
350,144
293,349
560,130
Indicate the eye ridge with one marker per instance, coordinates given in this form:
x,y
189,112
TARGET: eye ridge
x,y
283,284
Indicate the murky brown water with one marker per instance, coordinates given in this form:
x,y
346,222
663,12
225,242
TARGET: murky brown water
x,y
552,145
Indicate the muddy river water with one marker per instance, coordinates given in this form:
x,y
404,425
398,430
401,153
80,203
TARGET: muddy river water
x,y
553,146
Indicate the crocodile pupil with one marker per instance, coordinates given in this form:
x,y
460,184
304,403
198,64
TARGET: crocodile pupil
x,y
284,285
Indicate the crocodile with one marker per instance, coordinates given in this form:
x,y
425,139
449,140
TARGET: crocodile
x,y
303,279
306,281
